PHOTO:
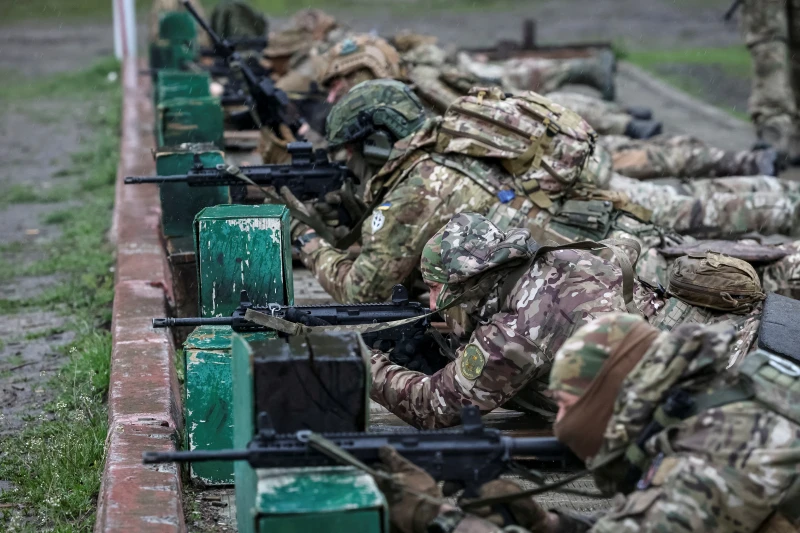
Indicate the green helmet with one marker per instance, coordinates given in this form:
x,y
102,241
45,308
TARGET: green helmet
x,y
376,113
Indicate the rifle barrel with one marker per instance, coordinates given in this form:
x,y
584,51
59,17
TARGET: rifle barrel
x,y
542,448
136,180
211,321
150,458
203,24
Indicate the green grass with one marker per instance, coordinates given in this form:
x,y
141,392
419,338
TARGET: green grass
x,y
735,61
56,462
72,85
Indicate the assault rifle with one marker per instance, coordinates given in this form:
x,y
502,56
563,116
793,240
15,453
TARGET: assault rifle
x,y
269,103
407,345
310,176
468,456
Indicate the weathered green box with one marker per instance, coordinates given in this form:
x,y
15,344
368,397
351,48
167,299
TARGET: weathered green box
x,y
177,40
189,120
242,247
208,408
300,499
180,203
173,83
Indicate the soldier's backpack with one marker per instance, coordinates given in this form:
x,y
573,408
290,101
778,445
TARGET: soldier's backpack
x,y
716,281
532,137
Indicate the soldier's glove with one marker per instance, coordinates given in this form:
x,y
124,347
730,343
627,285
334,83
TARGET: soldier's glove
x,y
325,212
525,511
409,512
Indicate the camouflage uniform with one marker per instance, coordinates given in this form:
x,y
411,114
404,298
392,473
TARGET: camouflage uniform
x,y
514,328
438,83
415,193
724,469
607,118
707,472
682,156
542,75
717,208
772,105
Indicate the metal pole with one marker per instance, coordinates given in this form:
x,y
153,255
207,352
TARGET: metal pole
x,y
124,28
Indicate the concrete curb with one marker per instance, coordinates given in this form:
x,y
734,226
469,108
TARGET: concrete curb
x,y
679,97
144,396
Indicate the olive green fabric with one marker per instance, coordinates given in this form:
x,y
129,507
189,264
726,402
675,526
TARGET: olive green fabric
x,y
715,281
371,106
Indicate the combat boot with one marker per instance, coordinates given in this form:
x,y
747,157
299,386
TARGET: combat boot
x,y
642,129
597,72
776,131
760,162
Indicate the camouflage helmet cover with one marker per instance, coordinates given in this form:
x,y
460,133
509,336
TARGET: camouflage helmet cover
x,y
468,246
359,52
582,356
372,105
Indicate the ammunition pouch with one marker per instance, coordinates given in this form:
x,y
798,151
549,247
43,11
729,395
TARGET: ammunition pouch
x,y
589,219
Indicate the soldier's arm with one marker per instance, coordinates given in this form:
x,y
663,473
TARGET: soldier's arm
x,y
392,242
493,367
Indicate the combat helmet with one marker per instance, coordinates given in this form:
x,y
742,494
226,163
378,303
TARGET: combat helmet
x,y
376,114
356,53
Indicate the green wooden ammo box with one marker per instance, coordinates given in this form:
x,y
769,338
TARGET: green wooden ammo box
x,y
242,247
180,203
237,248
176,44
295,500
208,408
189,120
173,83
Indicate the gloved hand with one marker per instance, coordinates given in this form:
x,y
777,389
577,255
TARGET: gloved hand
x,y
326,211
525,511
408,513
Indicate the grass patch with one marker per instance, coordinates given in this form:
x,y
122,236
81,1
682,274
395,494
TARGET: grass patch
x,y
64,86
734,61
55,464
30,194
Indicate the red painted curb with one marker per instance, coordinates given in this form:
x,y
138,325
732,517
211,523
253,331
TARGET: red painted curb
x,y
144,411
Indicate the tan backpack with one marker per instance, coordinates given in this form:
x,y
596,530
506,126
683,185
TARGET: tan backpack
x,y
528,133
715,281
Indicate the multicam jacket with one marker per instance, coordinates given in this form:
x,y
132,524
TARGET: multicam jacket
x,y
509,351
725,469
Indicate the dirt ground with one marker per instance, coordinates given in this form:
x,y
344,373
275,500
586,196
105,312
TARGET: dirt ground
x,y
33,149
36,141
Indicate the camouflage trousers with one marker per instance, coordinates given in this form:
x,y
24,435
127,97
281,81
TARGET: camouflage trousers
x,y
773,103
526,74
720,207
679,156
607,118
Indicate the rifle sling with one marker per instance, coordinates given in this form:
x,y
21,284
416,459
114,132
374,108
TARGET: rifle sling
x,y
315,223
331,450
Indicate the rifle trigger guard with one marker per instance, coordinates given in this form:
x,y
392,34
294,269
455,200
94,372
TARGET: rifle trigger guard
x,y
273,308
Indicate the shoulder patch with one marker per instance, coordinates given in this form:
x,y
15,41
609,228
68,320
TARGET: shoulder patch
x,y
472,362
378,218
